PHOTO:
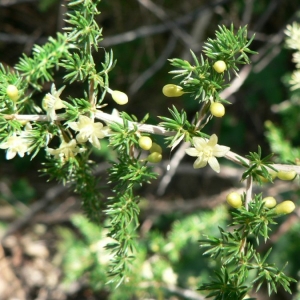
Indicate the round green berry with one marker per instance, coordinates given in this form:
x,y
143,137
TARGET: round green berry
x,y
154,157
217,109
270,202
234,199
12,92
155,148
145,142
219,66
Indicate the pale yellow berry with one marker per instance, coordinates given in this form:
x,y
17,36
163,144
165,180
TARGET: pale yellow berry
x,y
285,207
172,90
12,92
219,66
234,199
286,175
119,97
154,157
217,109
155,148
145,142
270,202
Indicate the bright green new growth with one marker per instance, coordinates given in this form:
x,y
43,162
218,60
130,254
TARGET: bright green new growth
x,y
73,124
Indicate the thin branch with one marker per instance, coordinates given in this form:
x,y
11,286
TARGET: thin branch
x,y
249,186
174,163
163,16
153,129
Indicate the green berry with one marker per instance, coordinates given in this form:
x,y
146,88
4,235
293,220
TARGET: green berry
x,y
172,90
286,175
234,199
217,109
154,157
12,92
145,142
219,66
155,148
285,207
270,202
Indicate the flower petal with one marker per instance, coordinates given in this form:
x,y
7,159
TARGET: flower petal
x,y
74,126
199,143
81,137
214,164
84,121
213,141
220,151
200,163
10,154
4,145
192,152
94,141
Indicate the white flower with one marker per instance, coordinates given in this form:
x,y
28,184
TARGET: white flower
x,y
88,130
65,150
293,36
52,102
169,276
15,144
295,80
207,151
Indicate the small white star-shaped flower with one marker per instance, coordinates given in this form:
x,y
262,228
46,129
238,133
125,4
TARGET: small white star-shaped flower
x,y
15,144
89,131
65,150
207,151
52,102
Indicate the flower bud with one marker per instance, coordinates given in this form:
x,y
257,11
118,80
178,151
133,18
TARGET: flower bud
x,y
154,157
217,109
145,142
155,148
172,90
270,202
119,97
12,92
285,207
219,66
234,199
286,175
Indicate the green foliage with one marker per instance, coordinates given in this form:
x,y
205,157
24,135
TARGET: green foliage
x,y
40,67
229,46
201,80
257,167
179,123
283,137
239,258
157,263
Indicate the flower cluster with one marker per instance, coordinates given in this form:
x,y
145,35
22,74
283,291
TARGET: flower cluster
x,y
89,131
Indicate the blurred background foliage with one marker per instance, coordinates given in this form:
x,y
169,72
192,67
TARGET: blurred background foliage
x,y
143,35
